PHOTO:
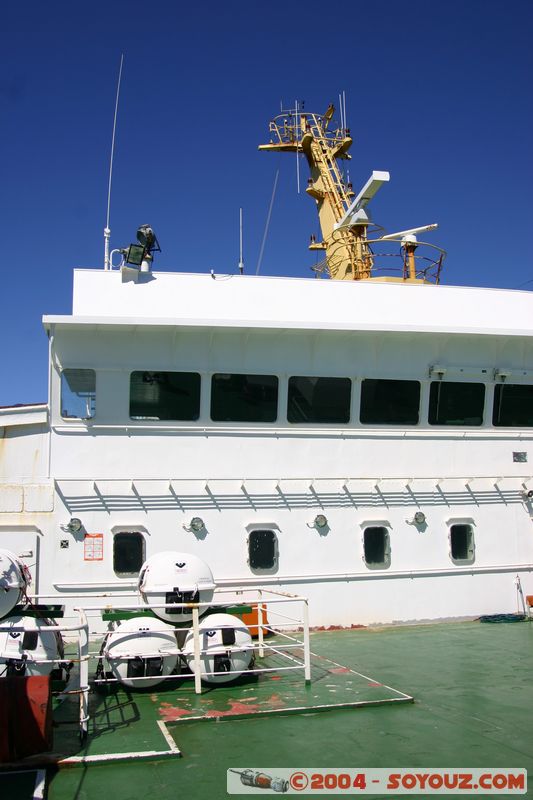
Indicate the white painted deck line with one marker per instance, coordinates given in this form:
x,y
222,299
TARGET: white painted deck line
x,y
40,779
40,783
48,760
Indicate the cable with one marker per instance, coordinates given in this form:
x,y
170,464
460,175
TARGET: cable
x,y
259,260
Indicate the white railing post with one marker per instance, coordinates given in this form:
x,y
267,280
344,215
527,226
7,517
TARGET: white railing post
x,y
307,649
83,655
260,624
196,640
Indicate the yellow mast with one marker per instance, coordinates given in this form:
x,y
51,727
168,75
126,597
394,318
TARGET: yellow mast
x,y
343,221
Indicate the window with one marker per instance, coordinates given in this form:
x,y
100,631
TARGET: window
x,y
513,405
165,395
128,553
78,393
376,547
319,400
262,550
389,402
244,398
462,544
456,403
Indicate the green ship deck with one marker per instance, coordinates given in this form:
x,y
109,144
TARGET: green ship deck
x,y
472,691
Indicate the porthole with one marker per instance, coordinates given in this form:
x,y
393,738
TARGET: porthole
x,y
376,547
462,546
262,550
128,553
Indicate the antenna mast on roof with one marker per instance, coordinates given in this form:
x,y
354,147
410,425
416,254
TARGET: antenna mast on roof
x,y
241,260
344,109
107,229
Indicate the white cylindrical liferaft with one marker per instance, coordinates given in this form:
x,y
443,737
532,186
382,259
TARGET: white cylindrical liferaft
x,y
170,577
30,651
225,646
141,652
14,578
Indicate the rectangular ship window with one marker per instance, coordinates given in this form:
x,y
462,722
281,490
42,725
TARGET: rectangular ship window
x,y
389,402
462,544
244,398
128,553
452,403
376,547
165,395
78,393
263,550
513,405
319,400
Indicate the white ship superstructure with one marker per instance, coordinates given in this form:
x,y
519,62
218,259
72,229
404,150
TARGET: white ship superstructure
x,y
353,442
362,441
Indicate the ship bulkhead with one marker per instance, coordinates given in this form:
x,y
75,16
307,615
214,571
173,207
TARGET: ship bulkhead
x,y
365,445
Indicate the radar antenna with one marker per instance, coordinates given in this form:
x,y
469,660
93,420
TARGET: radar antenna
x,y
344,216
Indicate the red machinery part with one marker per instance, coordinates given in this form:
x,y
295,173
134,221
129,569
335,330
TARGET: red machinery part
x,y
25,716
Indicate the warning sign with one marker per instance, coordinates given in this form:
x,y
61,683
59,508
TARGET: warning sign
x,y
93,545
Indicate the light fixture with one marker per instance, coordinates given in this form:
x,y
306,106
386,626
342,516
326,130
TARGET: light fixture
x,y
147,238
134,254
320,521
437,371
196,525
501,374
74,525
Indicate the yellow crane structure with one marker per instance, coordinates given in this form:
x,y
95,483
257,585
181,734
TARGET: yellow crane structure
x,y
349,253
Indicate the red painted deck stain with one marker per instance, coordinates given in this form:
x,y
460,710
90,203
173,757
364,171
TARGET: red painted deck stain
x,y
170,712
338,670
237,707
353,627
275,701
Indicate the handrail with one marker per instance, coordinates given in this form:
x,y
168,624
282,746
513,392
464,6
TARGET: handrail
x,y
84,655
288,128
429,273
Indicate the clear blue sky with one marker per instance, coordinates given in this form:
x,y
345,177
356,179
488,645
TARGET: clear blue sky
x,y
438,92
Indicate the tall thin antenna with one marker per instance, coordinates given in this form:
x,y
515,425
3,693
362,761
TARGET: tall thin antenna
x,y
296,126
344,108
260,259
340,110
241,260
107,229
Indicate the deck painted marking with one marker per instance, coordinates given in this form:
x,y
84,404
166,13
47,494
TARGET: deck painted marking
x,y
40,783
168,738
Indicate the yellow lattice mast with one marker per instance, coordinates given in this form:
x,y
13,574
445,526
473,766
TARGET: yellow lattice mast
x,y
343,220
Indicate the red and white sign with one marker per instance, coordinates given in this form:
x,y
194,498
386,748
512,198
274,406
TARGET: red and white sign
x,y
93,547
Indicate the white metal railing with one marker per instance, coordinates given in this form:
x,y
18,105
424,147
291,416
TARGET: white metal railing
x,y
82,644
341,479
266,601
351,430
236,582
